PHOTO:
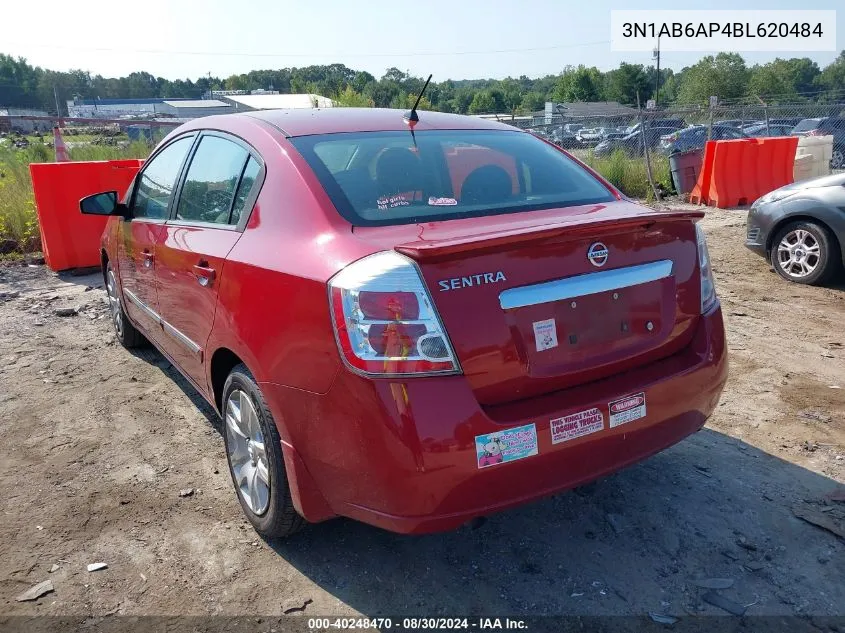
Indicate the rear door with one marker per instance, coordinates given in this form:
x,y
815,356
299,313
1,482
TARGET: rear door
x,y
211,211
143,231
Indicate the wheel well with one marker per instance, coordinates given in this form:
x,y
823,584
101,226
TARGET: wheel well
x,y
222,362
104,260
799,218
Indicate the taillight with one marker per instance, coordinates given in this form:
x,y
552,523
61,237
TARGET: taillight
x,y
708,287
384,320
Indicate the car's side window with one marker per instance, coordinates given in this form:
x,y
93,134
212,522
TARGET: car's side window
x,y
211,181
253,169
156,182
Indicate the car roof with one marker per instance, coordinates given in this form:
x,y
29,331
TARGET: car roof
x,y
302,122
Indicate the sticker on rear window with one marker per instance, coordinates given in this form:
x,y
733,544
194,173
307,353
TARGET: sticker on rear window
x,y
545,334
502,447
626,409
391,202
441,202
576,425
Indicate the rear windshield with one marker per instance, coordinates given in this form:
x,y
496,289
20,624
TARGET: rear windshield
x,y
807,124
381,178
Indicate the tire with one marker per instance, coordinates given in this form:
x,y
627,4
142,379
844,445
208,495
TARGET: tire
x,y
126,333
272,514
805,253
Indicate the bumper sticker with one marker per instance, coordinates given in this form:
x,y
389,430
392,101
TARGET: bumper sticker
x,y
545,334
576,425
626,409
506,446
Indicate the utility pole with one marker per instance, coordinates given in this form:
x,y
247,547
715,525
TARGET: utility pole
x,y
56,97
656,56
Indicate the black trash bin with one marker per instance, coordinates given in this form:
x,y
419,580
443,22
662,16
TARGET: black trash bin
x,y
685,167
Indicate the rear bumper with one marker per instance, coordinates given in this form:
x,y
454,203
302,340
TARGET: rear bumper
x,y
402,455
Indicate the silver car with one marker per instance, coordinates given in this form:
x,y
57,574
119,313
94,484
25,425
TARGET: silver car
x,y
800,229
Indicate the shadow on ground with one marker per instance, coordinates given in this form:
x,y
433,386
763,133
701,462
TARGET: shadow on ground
x,y
712,506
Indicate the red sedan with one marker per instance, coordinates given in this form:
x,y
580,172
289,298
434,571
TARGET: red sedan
x,y
413,324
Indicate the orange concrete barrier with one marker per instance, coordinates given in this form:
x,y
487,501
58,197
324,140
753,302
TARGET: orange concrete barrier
x,y
737,172
702,187
68,238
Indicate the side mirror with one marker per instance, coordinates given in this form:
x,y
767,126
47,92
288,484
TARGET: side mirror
x,y
102,204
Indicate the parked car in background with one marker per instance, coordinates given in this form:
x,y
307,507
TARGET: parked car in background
x,y
632,144
542,132
761,130
694,137
613,136
800,229
589,135
607,132
793,121
737,123
572,128
564,139
411,326
674,124
823,126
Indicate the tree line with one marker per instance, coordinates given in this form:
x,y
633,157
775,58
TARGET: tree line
x,y
725,75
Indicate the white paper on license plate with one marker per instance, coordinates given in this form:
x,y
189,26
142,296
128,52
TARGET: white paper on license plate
x,y
545,334
626,409
576,425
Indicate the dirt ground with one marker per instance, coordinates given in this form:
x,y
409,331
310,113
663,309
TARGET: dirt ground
x,y
96,444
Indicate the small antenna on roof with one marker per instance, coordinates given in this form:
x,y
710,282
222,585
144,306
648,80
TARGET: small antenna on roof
x,y
412,117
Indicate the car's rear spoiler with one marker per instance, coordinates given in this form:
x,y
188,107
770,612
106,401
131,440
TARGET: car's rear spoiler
x,y
495,240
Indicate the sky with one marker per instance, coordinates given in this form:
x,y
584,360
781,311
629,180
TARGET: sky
x,y
453,39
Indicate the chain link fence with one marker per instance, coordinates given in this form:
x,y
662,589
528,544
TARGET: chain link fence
x,y
632,148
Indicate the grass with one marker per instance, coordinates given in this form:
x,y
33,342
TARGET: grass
x,y
629,173
18,219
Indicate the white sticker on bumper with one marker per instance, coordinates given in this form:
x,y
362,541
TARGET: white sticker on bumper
x,y
626,409
576,425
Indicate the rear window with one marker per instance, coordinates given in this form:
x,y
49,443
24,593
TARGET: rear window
x,y
382,178
807,124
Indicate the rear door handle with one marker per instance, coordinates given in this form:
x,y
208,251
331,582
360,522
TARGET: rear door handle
x,y
204,273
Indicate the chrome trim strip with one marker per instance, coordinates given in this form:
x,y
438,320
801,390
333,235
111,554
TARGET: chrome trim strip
x,y
172,331
184,340
143,306
587,284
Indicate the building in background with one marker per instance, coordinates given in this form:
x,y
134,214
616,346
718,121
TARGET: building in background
x,y
194,108
118,108
272,100
215,102
9,123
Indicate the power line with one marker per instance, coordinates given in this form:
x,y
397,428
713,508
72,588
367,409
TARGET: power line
x,y
154,51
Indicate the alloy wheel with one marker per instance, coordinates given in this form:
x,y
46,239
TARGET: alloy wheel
x,y
114,303
799,253
247,452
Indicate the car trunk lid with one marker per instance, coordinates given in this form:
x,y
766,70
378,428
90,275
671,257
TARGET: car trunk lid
x,y
541,301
